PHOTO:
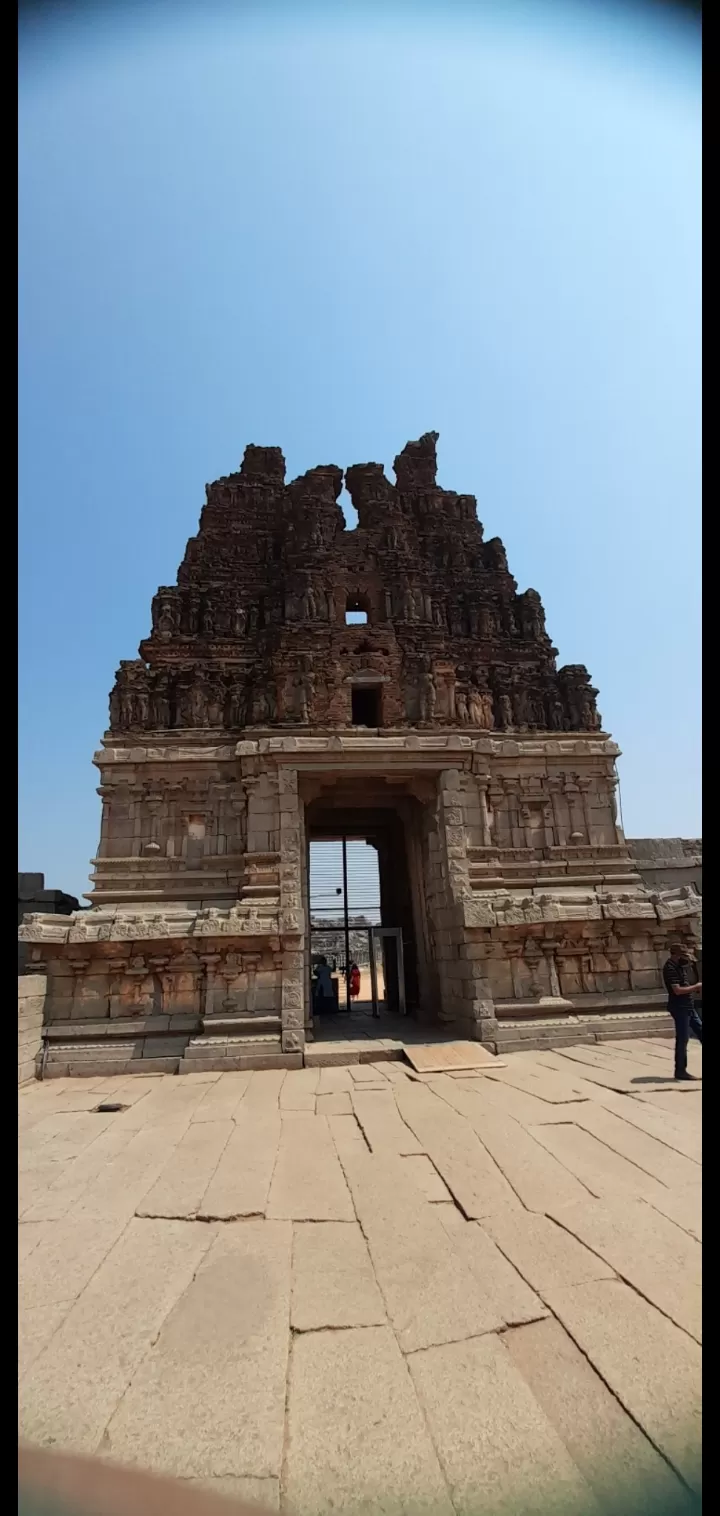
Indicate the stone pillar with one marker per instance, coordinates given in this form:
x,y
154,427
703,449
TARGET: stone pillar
x,y
575,808
483,1020
555,786
547,813
482,785
291,912
452,817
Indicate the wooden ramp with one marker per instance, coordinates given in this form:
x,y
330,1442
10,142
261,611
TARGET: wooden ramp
x,y
450,1057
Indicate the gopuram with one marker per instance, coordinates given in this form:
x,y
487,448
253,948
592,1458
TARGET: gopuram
x,y
257,718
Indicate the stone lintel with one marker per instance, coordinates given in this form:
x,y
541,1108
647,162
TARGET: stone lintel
x,y
275,744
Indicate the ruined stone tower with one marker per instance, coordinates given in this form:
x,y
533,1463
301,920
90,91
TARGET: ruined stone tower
x,y
258,717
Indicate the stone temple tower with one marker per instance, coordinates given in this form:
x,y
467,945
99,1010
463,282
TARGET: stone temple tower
x,y
301,680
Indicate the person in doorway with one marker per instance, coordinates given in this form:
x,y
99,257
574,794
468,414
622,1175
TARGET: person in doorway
x,y
323,997
354,981
682,986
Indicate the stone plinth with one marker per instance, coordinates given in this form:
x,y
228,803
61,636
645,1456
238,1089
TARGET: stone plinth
x,y
31,1011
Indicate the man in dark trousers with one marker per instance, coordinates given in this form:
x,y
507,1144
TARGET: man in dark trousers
x,y
681,987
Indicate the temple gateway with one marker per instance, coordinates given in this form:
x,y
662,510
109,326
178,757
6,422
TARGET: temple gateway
x,y
305,681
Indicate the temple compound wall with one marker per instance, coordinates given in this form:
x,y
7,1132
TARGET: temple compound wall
x,y
263,712
667,863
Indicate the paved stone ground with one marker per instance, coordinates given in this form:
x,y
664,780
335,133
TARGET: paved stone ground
x,y
348,1289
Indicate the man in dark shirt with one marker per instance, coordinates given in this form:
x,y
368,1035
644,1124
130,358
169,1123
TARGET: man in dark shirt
x,y
681,987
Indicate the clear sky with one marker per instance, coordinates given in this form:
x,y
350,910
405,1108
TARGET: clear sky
x,y
332,230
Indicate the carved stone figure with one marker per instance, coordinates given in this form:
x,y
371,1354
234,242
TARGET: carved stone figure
x,y
215,704
302,692
509,620
197,701
461,707
142,702
165,618
556,717
520,707
488,623
476,708
260,707
310,684
427,696
239,622
189,619
532,616
131,705
495,555
506,710
236,704
309,604
409,608
579,699
588,714
127,705
457,628
160,704
264,703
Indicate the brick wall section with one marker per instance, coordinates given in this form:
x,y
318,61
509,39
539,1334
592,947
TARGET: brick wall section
x,y
31,1007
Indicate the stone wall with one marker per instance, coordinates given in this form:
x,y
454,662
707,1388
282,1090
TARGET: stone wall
x,y
31,1007
667,863
33,896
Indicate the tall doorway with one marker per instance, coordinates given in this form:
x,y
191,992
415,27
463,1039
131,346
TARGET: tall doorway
x,y
363,906
345,915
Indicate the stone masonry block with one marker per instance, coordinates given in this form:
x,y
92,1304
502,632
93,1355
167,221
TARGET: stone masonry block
x,y
293,1039
31,986
293,1017
292,996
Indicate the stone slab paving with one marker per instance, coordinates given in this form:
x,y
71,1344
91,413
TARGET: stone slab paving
x,y
348,1290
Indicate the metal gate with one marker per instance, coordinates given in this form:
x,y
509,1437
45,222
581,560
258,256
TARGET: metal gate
x,y
346,929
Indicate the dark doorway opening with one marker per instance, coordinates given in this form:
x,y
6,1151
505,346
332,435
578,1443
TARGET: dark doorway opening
x,y
366,706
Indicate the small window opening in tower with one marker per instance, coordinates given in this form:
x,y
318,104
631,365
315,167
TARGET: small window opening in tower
x,y
356,610
366,706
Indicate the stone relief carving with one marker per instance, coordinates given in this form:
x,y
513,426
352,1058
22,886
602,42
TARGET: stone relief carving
x,y
259,588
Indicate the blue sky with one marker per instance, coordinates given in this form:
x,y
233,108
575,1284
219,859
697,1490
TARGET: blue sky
x,y
332,230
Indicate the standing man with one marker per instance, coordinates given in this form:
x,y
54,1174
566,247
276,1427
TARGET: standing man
x,y
680,985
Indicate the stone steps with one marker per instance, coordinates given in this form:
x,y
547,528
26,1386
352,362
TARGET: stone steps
x,y
255,1043
156,1045
241,1027
123,1028
217,1053
569,1031
96,1059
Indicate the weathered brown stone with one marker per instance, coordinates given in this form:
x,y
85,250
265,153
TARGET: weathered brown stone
x,y
257,715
